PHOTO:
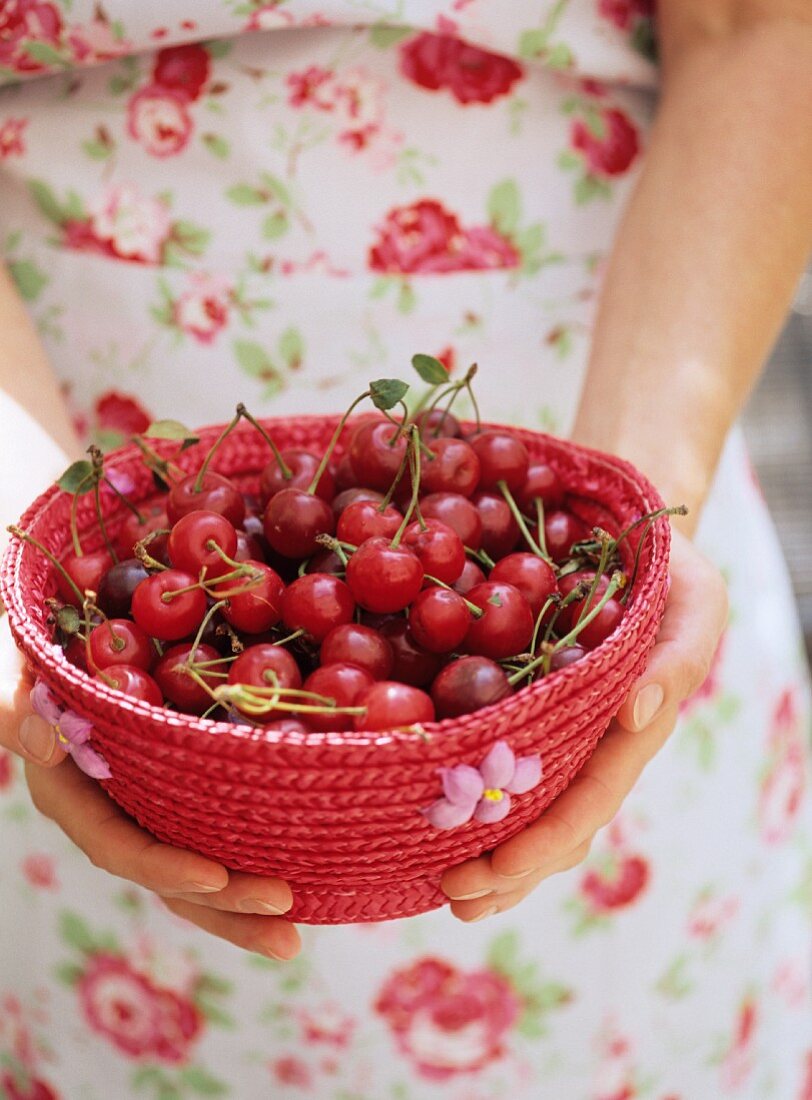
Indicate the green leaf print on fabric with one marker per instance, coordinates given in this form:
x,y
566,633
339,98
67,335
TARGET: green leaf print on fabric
x,y
505,207
539,997
256,362
29,279
216,145
75,933
384,36
536,44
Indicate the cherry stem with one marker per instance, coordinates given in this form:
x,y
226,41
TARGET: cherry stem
x,y
255,700
337,547
468,379
542,534
140,550
289,637
97,459
607,545
414,439
201,473
154,462
207,618
678,510
387,500
311,489
548,603
625,597
481,556
286,471
477,612
138,515
74,519
568,639
520,521
167,597
18,532
577,593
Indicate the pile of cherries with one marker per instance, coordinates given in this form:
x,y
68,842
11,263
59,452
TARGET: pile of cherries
x,y
426,573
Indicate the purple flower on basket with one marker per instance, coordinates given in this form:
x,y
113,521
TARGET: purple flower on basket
x,y
484,792
72,731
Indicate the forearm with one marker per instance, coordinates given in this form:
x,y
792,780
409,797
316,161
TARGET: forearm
x,y
26,376
706,259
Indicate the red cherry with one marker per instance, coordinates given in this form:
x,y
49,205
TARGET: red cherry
x,y
456,512
383,577
439,619
76,652
468,684
413,664
255,600
178,685
217,494
364,520
453,469
437,423
507,625
316,603
294,519
376,452
561,530
542,483
439,549
120,642
326,561
502,457
566,656
189,543
117,586
500,531
135,682
132,530
266,665
471,575
568,615
605,622
533,576
349,496
164,615
390,705
345,476
343,683
249,548
359,645
86,571
302,466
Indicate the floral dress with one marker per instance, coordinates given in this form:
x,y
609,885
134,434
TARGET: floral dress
x,y
276,202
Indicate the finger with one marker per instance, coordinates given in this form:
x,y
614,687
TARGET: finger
x,y
244,894
21,731
695,616
269,936
502,900
111,840
589,803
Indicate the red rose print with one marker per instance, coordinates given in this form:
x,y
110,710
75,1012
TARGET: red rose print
x,y
445,1020
292,1071
624,13
179,1023
119,412
616,888
427,238
472,75
39,869
157,118
737,1064
311,87
184,69
784,785
24,21
613,152
11,137
34,1089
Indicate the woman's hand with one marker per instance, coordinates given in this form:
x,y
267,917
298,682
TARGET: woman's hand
x,y
560,839
228,904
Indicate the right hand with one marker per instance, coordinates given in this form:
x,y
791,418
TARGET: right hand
x,y
226,903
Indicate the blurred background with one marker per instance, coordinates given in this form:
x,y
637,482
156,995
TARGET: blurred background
x,y
778,426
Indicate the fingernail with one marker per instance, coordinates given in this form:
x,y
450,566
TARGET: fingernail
x,y
37,738
199,888
470,897
486,913
646,705
522,874
256,905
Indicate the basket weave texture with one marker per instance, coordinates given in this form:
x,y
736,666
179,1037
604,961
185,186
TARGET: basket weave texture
x,y
338,814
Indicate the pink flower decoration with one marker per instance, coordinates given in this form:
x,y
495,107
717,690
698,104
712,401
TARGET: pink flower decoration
x,y
484,792
72,731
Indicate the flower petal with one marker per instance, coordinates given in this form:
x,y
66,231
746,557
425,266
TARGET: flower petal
x,y
489,812
45,703
443,814
526,776
497,767
462,785
74,728
90,762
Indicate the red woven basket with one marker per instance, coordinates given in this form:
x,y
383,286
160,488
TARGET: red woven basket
x,y
338,814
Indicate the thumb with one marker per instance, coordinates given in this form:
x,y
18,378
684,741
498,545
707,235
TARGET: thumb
x,y
21,731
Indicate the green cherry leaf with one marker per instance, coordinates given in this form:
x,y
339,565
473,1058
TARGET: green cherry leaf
x,y
431,370
386,392
78,478
170,429
67,619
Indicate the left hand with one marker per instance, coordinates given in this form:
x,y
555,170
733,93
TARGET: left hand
x,y
695,616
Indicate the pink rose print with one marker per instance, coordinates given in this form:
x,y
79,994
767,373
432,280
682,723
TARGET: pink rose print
x,y
34,1089
23,21
611,152
806,1088
312,87
11,138
624,13
354,98
137,1017
120,412
158,119
617,885
470,74
711,915
133,226
183,69
326,1023
40,870
446,1021
784,785
291,1070
738,1061
96,41
202,310
426,238
712,684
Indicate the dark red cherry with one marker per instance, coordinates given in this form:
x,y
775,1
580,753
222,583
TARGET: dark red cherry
x,y
302,466
471,575
468,684
502,457
326,561
561,530
412,664
605,622
383,577
439,549
376,452
456,512
173,675
116,589
454,468
132,530
390,705
567,656
542,483
439,619
343,683
349,496
534,578
249,547
133,681
316,603
436,424
500,531
293,521
254,600
86,571
217,494
507,625
345,476
359,645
